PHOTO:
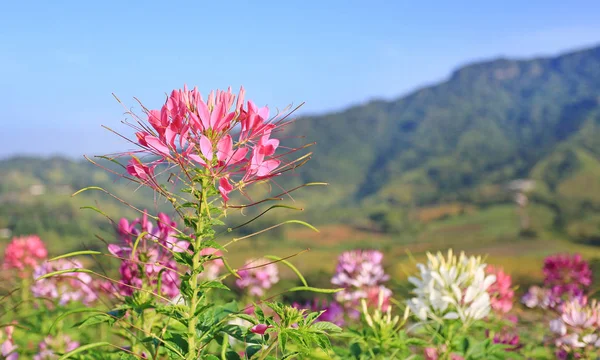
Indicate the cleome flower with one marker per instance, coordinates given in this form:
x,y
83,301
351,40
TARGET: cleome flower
x,y
152,262
501,292
451,288
567,274
52,345
360,273
189,131
66,287
257,276
576,330
24,252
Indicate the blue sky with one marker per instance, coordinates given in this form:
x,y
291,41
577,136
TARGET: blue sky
x,y
61,60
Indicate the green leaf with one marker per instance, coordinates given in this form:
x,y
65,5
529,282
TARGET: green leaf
x,y
213,285
183,258
252,349
326,326
76,253
84,348
314,289
292,267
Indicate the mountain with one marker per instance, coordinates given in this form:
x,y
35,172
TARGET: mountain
x,y
441,149
462,139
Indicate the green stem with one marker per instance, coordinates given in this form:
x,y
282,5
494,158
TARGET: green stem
x,y
192,319
269,349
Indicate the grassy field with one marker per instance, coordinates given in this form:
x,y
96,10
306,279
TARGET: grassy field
x,y
491,232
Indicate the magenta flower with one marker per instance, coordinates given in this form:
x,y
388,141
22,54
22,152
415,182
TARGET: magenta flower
x,y
189,131
23,253
508,337
360,274
567,274
257,276
52,345
8,349
260,329
153,259
66,287
501,292
333,312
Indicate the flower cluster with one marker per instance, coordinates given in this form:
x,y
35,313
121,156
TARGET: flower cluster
x,y
8,349
66,287
332,311
190,131
577,329
567,274
257,276
52,345
451,288
501,292
566,278
24,252
149,259
360,273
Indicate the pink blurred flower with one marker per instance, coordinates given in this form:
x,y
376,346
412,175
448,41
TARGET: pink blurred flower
x,y
360,274
508,337
8,349
431,353
540,297
501,292
258,276
24,252
52,345
66,287
212,267
567,274
576,330
153,259
333,312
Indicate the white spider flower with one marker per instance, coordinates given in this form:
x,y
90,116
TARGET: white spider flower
x,y
451,288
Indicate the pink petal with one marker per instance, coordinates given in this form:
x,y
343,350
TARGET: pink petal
x,y
206,147
204,115
225,148
157,145
225,188
267,167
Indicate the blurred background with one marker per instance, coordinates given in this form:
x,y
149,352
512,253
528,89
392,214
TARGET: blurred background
x,y
467,124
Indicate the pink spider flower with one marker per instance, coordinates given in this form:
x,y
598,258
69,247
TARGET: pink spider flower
x,y
576,330
153,259
8,349
66,287
212,266
188,131
361,275
501,292
257,276
55,344
23,253
567,274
